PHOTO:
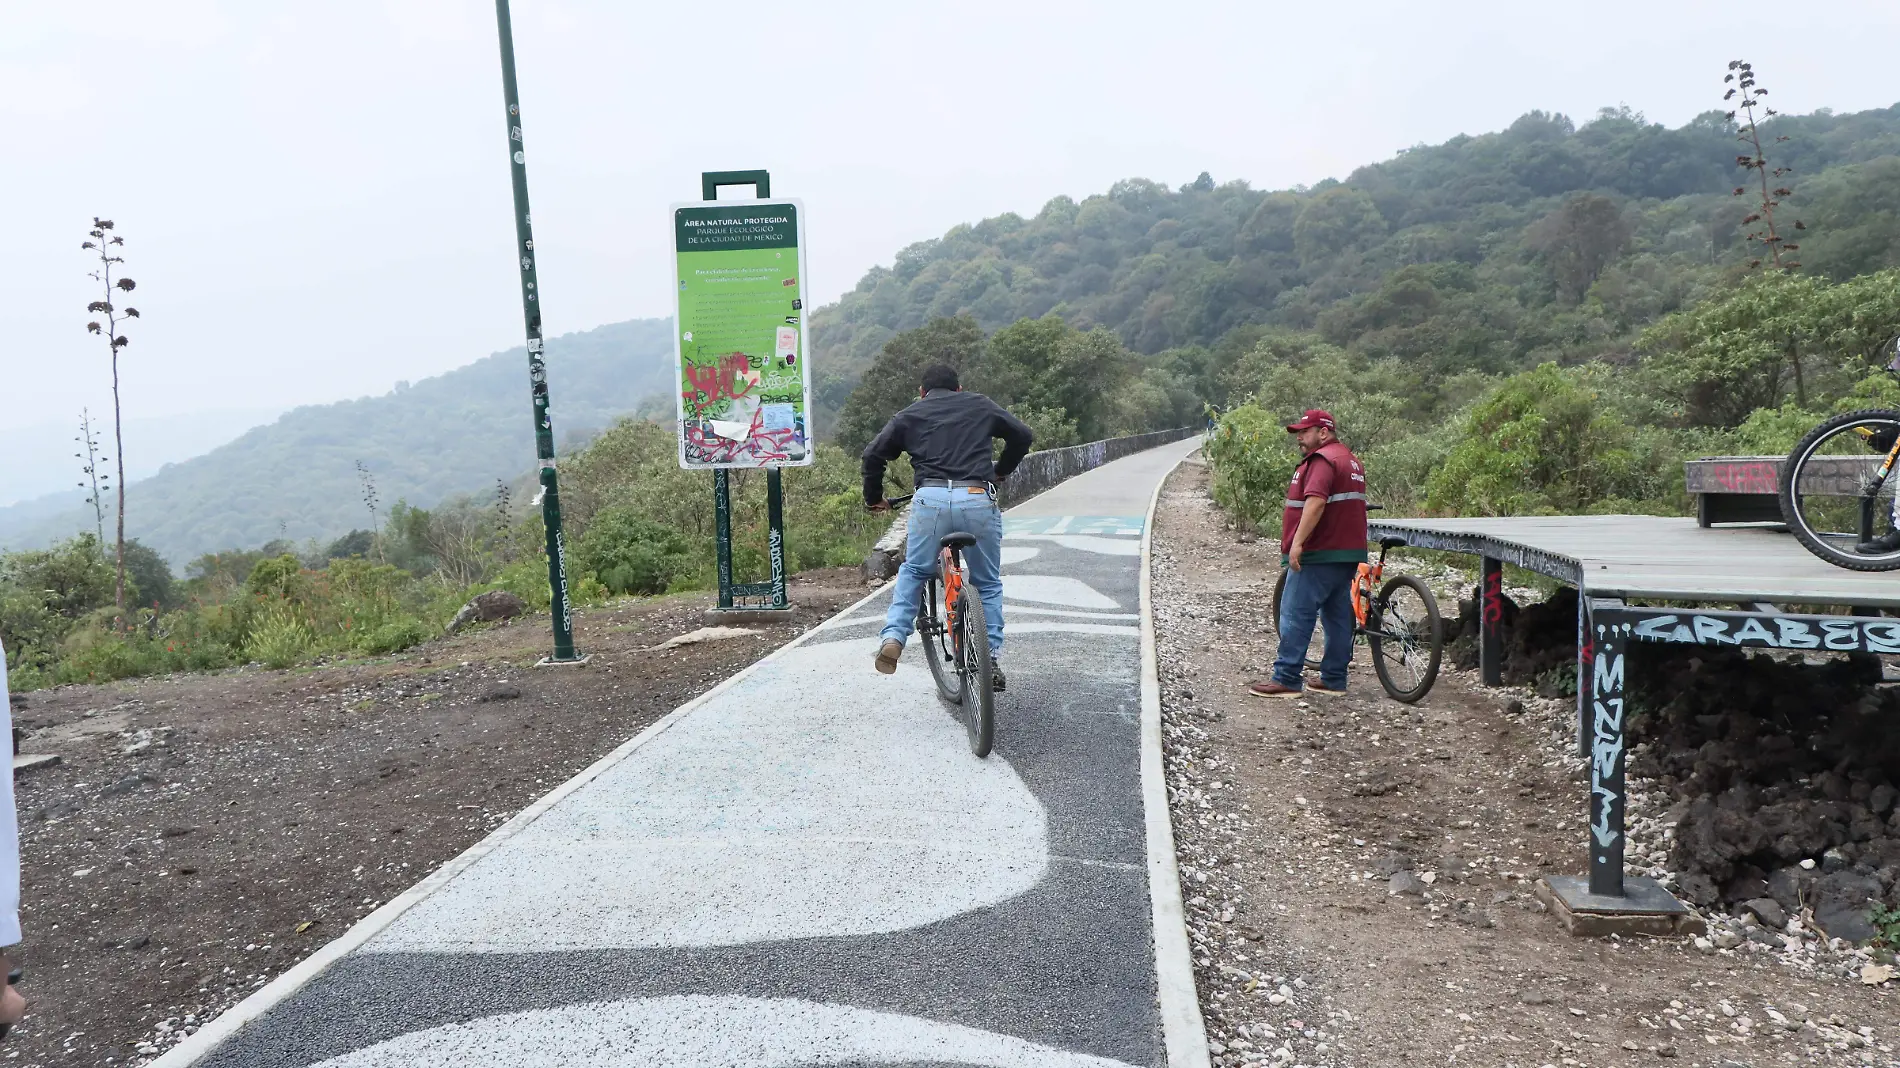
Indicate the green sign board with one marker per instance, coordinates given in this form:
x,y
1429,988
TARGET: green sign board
x,y
739,334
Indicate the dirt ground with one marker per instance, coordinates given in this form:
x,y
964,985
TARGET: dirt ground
x,y
1359,872
205,832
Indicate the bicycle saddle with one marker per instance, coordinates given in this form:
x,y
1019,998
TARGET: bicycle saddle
x,y
1391,541
959,540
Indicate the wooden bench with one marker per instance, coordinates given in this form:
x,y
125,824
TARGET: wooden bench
x,y
1747,489
1735,489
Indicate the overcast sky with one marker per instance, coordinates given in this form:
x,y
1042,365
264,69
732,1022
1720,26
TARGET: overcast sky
x,y
315,196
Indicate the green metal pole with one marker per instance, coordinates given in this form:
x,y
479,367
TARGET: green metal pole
x,y
537,368
722,532
775,524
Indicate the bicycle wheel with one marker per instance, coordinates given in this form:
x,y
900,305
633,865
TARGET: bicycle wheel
x,y
979,699
1407,637
1833,496
939,648
1313,658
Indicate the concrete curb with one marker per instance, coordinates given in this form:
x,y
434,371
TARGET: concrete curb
x,y
1183,1031
232,1020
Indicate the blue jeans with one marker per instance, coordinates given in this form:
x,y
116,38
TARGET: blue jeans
x,y
1322,593
934,512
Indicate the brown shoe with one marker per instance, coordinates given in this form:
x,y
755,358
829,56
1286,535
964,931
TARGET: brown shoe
x,y
887,655
1270,688
1324,690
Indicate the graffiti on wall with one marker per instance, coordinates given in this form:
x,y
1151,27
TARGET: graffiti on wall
x,y
1837,634
1606,742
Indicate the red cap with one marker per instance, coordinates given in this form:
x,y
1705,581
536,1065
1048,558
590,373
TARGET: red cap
x,y
1313,417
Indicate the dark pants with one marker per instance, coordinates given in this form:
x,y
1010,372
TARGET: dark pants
x,y
1322,593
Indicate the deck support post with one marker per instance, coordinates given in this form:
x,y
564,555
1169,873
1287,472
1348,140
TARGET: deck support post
x,y
1609,638
1491,622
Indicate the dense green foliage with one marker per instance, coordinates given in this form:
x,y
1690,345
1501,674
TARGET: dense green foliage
x,y
637,524
1542,242
1716,378
297,478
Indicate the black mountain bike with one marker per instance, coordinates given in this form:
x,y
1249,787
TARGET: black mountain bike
x,y
1837,488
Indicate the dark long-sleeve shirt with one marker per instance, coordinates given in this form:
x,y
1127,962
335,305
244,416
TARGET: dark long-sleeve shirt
x,y
947,434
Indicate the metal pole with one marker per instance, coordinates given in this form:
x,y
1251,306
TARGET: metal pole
x,y
537,369
722,532
1491,623
775,524
1610,635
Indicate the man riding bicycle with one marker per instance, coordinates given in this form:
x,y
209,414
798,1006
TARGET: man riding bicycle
x,y
947,433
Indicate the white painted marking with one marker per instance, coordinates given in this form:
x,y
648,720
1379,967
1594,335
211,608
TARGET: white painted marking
x,y
1024,610
1016,554
1061,526
794,808
1054,589
1105,546
1073,628
698,1031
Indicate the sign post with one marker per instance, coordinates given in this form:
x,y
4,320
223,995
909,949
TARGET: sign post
x,y
740,344
564,652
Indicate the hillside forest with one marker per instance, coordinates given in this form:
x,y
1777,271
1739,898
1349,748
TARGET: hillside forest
x,y
1547,318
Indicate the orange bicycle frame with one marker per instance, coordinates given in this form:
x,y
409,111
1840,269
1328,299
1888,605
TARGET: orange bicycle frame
x,y
952,586
1363,582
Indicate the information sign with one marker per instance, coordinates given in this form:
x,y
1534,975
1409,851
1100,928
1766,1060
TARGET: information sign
x,y
739,334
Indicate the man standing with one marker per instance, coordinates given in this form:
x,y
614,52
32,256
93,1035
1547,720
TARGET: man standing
x,y
1322,544
947,433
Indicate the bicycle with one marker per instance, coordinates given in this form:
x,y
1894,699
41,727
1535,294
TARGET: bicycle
x,y
1836,481
1400,623
957,644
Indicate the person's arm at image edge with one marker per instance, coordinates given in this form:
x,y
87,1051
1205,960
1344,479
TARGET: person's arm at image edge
x,y
12,1005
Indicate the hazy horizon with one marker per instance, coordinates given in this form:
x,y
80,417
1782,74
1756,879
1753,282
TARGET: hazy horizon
x,y
315,200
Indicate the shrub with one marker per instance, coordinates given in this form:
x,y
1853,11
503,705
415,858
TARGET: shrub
x,y
1543,442
278,638
628,553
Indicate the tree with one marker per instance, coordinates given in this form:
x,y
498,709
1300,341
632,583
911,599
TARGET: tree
x,y
115,341
892,380
89,440
1338,220
150,576
1578,240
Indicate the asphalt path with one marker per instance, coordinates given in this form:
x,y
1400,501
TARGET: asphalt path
x,y
807,866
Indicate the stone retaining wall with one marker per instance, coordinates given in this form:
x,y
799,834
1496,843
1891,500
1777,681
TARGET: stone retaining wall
x,y
1039,471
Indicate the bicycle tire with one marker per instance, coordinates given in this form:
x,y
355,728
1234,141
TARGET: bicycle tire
x,y
979,696
1384,629
1319,633
938,647
1799,518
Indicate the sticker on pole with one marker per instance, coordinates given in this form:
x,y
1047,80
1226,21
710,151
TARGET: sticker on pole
x,y
741,351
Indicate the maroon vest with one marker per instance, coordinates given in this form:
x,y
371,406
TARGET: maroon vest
x,y
1341,533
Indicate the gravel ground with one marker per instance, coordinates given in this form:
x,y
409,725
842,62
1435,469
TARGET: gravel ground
x,y
206,832
1359,872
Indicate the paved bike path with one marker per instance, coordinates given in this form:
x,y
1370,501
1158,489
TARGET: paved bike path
x,y
806,866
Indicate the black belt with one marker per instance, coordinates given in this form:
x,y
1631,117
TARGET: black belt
x,y
954,483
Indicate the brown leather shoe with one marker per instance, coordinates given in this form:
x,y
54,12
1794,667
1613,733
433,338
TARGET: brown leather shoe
x,y
1270,688
887,655
1324,690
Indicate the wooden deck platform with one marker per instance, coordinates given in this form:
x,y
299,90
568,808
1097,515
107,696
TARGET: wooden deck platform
x,y
1641,557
